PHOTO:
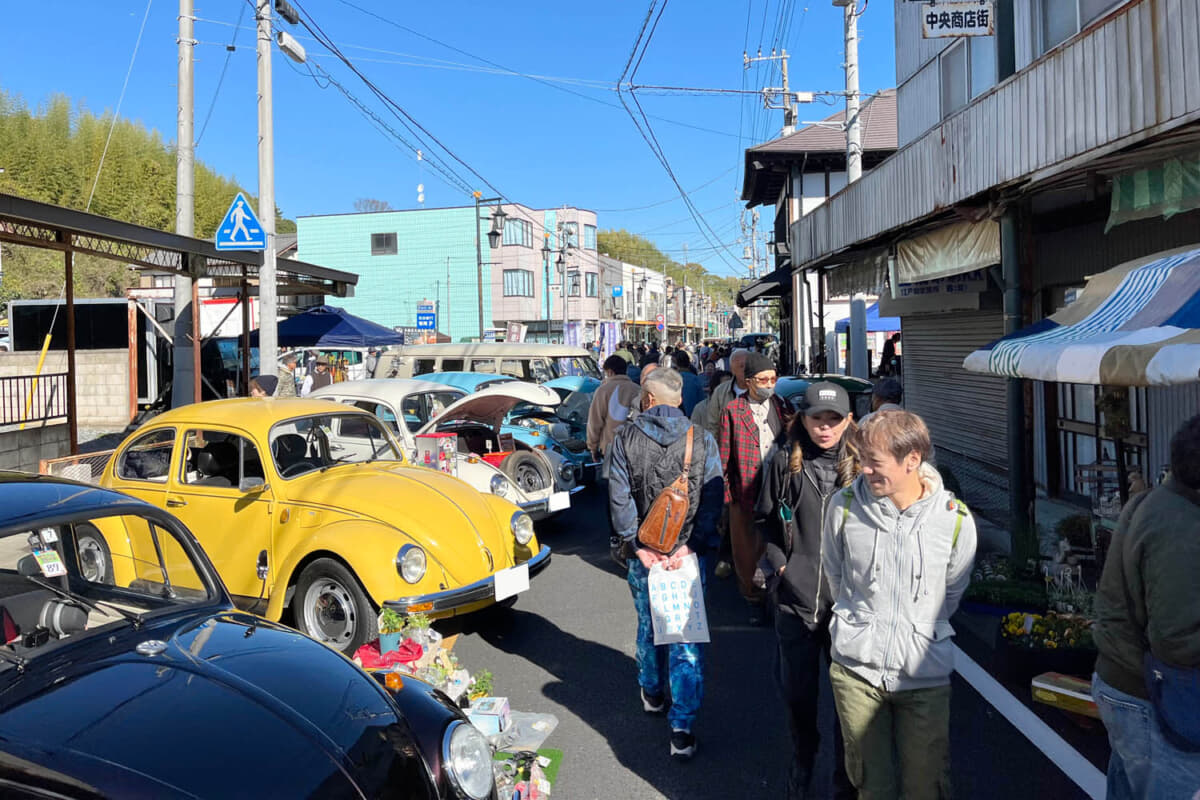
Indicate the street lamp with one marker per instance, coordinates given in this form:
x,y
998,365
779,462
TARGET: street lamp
x,y
494,239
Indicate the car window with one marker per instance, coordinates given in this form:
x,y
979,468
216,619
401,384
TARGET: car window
x,y
420,408
317,442
484,365
221,460
514,367
148,458
452,365
103,570
423,366
575,365
540,370
379,410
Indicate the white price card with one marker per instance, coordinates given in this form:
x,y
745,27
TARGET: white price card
x,y
558,501
511,581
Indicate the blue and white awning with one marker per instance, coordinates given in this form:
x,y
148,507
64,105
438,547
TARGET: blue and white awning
x,y
1135,325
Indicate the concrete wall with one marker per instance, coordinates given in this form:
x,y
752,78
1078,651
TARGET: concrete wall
x,y
22,450
101,381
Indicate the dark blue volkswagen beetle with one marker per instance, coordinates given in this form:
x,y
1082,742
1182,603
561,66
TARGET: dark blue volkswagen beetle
x,y
125,670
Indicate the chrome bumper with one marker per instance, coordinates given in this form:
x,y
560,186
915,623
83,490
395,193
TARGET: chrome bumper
x,y
452,599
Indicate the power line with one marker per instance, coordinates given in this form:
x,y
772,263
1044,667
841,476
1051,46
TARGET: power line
x,y
229,50
672,199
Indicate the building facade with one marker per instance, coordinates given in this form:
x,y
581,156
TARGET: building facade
x,y
996,207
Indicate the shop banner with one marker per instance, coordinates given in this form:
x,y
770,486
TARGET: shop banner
x,y
677,603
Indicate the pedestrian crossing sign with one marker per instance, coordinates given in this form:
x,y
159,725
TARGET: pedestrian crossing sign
x,y
240,229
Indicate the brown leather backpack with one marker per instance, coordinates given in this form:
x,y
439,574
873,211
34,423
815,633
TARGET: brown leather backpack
x,y
664,521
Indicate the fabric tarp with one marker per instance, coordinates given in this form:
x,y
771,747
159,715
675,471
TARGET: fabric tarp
x,y
875,323
1135,325
1163,190
952,250
331,327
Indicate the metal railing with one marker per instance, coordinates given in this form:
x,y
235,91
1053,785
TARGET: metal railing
x,y
86,467
33,398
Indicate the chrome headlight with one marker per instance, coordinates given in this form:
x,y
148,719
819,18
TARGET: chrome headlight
x,y
566,471
410,563
502,487
522,527
467,759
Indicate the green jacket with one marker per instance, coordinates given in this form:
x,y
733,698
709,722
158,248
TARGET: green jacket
x,y
1153,564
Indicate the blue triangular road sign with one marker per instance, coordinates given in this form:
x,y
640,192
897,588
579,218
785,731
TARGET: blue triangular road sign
x,y
240,229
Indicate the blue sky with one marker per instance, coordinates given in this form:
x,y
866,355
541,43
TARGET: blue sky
x,y
536,143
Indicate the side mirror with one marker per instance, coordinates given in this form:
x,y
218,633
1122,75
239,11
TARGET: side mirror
x,y
261,568
252,485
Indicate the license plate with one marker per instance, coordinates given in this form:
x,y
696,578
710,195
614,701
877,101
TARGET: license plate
x,y
558,501
511,581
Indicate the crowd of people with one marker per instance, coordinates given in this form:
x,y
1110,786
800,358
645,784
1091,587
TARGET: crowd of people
x,y
812,513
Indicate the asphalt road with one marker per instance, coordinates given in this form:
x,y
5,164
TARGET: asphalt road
x,y
567,648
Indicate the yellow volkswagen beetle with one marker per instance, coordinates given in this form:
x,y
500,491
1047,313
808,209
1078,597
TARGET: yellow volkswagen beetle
x,y
309,505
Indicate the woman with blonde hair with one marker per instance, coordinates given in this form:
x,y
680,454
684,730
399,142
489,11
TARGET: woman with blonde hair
x,y
817,458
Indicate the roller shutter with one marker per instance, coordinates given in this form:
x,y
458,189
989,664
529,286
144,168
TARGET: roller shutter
x,y
965,411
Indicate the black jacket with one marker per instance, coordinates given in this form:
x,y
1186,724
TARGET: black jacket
x,y
802,589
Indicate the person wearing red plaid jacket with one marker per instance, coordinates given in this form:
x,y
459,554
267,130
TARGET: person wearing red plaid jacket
x,y
749,426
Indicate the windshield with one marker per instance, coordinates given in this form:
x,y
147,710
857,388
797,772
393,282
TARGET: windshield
x,y
306,444
63,581
575,365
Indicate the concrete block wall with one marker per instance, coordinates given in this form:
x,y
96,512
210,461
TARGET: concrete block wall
x,y
101,381
23,450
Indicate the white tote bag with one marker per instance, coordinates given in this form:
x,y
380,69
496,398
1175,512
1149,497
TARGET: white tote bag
x,y
677,603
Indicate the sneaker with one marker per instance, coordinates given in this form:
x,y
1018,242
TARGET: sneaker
x,y
723,569
653,703
683,744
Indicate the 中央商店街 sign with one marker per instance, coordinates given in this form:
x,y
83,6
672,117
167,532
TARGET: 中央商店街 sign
x,y
940,20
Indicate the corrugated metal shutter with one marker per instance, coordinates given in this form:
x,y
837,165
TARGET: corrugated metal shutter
x,y
965,411
1167,408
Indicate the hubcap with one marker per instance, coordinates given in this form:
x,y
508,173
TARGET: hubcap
x,y
91,560
530,478
329,614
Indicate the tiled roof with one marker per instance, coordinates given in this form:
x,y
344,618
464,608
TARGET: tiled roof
x,y
878,117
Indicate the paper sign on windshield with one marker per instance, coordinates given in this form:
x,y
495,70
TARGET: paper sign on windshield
x,y
50,563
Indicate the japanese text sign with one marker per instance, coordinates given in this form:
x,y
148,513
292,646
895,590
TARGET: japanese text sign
x,y
940,20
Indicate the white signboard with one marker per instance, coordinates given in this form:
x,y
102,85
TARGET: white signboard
x,y
942,20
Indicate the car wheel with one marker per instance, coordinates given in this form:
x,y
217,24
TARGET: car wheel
x,y
332,607
528,472
95,559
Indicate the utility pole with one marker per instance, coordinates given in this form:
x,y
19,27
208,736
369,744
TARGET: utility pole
x,y
788,99
685,297
853,129
182,375
268,302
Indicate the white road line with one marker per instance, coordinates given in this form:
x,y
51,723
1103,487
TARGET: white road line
x,y
1043,737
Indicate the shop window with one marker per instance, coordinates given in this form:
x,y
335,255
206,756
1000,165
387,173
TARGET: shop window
x,y
518,283
592,281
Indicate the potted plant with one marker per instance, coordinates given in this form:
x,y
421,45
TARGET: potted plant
x,y
391,630
1000,585
1031,644
481,685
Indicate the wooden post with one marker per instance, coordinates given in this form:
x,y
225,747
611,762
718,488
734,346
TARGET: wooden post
x,y
72,400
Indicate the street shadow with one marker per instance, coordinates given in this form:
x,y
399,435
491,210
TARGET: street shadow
x,y
589,542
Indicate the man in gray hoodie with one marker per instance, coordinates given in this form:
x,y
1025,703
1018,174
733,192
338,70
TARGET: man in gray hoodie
x,y
897,549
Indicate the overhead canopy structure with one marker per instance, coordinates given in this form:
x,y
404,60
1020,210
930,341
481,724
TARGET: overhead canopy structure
x,y
330,327
775,284
1135,325
874,322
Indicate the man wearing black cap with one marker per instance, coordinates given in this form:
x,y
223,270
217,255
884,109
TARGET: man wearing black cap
x,y
749,426
803,474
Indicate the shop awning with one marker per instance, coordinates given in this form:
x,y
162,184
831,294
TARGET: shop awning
x,y
1135,325
874,322
776,284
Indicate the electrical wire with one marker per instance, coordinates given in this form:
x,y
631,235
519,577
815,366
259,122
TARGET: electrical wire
x,y
229,50
120,100
672,199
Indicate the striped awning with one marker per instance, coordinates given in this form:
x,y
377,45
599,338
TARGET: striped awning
x,y
1135,325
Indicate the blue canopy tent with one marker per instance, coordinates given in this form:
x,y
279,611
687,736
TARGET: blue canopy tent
x,y
874,322
331,328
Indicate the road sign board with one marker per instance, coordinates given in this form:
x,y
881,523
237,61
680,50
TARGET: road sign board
x,y
426,321
618,291
240,229
735,322
659,318
426,306
660,326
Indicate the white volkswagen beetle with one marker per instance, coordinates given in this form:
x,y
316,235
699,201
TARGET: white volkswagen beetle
x,y
531,478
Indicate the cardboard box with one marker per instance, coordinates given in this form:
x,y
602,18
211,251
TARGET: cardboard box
x,y
1065,692
438,451
489,714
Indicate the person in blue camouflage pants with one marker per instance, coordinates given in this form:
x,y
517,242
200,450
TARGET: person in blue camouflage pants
x,y
648,454
679,667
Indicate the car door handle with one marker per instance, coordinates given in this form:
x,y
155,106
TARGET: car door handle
x,y
175,503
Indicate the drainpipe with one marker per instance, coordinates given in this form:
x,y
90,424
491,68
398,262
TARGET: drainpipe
x,y
1019,499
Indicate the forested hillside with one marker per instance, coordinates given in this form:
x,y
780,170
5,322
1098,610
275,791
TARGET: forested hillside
x,y
51,154
633,249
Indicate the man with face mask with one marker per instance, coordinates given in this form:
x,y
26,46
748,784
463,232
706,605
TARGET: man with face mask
x,y
749,426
